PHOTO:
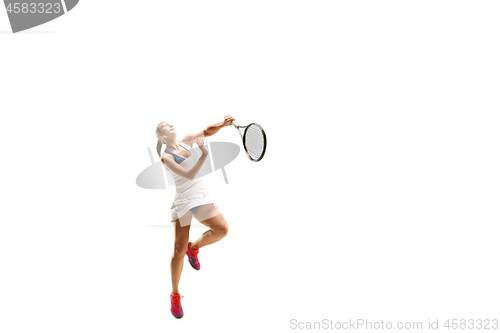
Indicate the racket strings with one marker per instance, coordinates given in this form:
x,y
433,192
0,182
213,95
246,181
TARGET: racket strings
x,y
254,141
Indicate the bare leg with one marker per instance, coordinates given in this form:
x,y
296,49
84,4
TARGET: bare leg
x,y
210,216
177,262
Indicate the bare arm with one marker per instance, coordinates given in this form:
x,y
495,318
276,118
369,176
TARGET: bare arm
x,y
208,131
170,164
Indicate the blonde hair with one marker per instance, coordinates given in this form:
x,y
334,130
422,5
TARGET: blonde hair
x,y
160,142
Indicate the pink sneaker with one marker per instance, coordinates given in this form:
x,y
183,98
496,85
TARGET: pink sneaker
x,y
193,257
175,305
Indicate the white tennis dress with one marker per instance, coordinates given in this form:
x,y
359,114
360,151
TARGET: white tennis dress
x,y
189,193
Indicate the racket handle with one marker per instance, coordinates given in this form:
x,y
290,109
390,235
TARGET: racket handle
x,y
235,124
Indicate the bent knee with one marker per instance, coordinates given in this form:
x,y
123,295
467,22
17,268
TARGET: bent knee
x,y
222,230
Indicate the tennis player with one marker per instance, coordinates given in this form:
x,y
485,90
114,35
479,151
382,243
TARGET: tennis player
x,y
191,199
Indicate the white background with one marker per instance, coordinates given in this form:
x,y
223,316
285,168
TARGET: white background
x,y
377,198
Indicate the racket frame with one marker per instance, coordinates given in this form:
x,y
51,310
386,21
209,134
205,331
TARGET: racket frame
x,y
243,139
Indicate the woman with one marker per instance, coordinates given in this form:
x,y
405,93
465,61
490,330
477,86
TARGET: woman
x,y
191,199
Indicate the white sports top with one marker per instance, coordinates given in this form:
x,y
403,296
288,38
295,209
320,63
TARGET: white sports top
x,y
189,193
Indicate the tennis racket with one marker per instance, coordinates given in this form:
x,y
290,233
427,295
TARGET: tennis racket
x,y
254,140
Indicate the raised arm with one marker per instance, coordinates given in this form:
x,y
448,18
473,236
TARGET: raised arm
x,y
169,163
208,131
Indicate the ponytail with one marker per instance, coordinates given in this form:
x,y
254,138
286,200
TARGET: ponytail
x,y
159,144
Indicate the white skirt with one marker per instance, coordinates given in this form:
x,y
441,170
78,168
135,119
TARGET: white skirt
x,y
195,196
